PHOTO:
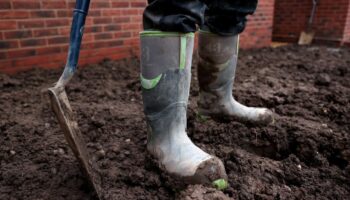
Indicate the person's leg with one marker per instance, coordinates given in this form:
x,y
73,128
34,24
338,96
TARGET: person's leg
x,y
166,59
218,51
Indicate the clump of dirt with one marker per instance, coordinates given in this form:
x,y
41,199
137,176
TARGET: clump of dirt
x,y
305,154
199,192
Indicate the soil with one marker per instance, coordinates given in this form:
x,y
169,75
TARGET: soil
x,y
305,154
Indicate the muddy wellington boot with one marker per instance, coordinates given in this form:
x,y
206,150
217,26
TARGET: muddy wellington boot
x,y
165,79
216,71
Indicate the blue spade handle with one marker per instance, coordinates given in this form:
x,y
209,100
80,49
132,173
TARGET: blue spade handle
x,y
76,34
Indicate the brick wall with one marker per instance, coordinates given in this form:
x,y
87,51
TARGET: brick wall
x,y
258,33
291,18
35,33
346,38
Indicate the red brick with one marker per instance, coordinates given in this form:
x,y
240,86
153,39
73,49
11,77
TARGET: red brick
x,y
111,12
130,26
93,29
102,52
65,13
135,33
45,32
112,27
57,22
59,40
54,4
89,21
122,34
25,5
42,13
8,25
113,43
21,53
64,48
100,4
32,42
18,34
104,20
64,30
88,38
103,36
136,19
132,41
138,4
5,4
14,14
94,13
48,50
102,44
71,5
5,66
31,24
32,61
120,4
3,55
121,19
129,12
8,44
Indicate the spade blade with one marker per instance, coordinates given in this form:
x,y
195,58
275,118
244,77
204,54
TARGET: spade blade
x,y
63,111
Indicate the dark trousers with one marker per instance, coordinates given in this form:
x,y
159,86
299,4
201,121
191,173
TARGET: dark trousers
x,y
223,17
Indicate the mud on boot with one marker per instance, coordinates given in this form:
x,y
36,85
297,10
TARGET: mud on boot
x,y
165,78
216,72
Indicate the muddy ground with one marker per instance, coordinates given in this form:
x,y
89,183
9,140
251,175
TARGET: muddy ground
x,y
304,155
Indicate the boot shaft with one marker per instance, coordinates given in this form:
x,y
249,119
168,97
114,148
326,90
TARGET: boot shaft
x,y
165,69
217,60
217,49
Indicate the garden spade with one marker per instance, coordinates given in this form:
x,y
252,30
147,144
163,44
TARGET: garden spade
x,y
59,100
307,36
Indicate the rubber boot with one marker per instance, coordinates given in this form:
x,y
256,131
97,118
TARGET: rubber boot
x,y
216,72
165,79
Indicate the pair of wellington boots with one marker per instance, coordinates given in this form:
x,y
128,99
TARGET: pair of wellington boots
x,y
166,59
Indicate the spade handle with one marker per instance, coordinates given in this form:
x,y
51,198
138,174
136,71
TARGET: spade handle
x,y
76,34
312,14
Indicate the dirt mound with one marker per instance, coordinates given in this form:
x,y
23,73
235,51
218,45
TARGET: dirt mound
x,y
305,154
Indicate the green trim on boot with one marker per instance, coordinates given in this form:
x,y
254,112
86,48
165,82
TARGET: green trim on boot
x,y
150,83
157,33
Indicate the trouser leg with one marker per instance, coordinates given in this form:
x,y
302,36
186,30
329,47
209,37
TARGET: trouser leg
x,y
174,15
223,17
227,17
